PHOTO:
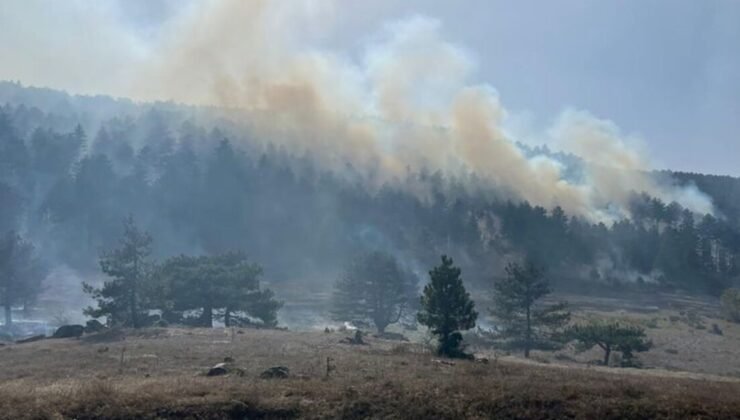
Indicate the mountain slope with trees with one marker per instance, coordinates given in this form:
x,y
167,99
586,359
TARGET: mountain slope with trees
x,y
201,187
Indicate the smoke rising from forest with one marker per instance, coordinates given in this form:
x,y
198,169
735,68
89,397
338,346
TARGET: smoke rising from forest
x,y
303,155
410,102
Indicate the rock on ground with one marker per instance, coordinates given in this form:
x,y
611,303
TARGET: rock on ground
x,y
69,331
276,372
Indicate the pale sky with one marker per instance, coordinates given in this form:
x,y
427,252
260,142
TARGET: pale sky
x,y
667,71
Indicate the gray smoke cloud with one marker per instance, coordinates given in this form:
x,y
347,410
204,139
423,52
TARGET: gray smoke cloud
x,y
408,100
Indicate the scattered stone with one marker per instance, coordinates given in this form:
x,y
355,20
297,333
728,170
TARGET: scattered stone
x,y
218,370
31,339
443,362
276,372
94,326
356,340
103,350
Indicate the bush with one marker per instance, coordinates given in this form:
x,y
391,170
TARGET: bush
x,y
730,304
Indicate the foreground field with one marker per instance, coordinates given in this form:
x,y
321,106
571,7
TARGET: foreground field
x,y
161,374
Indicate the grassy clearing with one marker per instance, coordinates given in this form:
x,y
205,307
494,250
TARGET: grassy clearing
x,y
161,376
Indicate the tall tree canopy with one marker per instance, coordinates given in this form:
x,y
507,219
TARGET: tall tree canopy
x,y
521,322
225,285
121,298
611,336
201,185
373,288
21,273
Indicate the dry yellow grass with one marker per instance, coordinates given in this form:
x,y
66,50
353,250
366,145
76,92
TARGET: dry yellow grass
x,y
162,377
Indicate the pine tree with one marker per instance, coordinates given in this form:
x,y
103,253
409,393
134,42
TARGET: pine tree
x,y
446,308
121,299
21,273
373,288
225,285
521,322
610,337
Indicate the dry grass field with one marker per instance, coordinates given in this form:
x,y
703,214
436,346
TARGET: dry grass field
x,y
160,373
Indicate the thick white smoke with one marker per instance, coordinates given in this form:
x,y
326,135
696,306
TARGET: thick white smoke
x,y
408,101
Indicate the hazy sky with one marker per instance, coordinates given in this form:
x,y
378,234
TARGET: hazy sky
x,y
667,71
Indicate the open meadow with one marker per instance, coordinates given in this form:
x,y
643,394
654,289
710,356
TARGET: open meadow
x,y
162,373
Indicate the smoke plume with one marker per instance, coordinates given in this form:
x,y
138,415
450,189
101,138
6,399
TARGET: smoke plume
x,y
409,101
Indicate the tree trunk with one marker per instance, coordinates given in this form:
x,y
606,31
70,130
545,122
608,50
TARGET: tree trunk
x,y
207,317
607,354
444,342
132,295
132,308
8,315
227,317
528,334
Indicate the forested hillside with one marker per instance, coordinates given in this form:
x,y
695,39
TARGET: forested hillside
x,y
72,168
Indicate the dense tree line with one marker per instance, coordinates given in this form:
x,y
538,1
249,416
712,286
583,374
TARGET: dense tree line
x,y
201,191
662,244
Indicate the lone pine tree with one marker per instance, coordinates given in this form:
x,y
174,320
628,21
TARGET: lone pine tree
x,y
522,323
610,337
120,298
446,308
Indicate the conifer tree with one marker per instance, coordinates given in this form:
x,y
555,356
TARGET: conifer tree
x,y
373,288
224,285
611,336
21,273
446,308
522,323
121,298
